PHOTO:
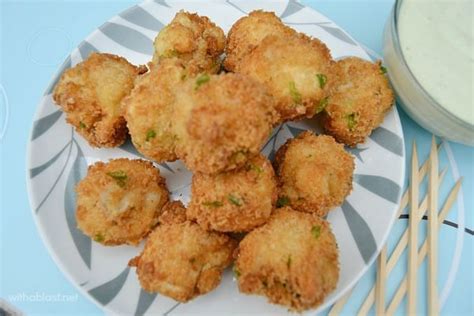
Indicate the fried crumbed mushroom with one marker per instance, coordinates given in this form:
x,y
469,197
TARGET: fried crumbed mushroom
x,y
90,94
314,173
234,201
119,202
193,39
221,121
180,259
293,260
295,71
360,96
248,32
149,110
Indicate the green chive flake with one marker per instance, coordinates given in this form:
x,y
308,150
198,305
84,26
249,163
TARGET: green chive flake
x,y
351,121
82,125
99,237
283,201
256,168
322,105
383,70
119,176
322,79
234,200
295,94
236,272
316,231
202,79
150,134
288,262
213,203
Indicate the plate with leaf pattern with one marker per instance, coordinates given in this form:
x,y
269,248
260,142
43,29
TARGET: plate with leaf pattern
x,y
58,158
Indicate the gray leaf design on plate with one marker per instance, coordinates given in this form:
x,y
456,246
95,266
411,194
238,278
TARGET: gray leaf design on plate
x,y
66,65
356,151
37,170
381,186
361,232
128,147
388,140
236,7
144,301
138,16
42,125
106,292
338,33
127,37
77,172
85,49
295,131
163,3
271,155
291,8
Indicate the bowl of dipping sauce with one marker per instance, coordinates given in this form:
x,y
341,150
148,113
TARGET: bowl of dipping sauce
x,y
429,56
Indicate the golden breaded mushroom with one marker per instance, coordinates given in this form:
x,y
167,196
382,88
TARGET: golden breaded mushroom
x,y
193,39
360,96
314,173
295,70
234,201
149,110
90,93
248,32
119,202
181,260
293,260
221,121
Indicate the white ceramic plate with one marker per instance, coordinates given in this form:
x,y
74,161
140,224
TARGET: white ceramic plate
x,y
58,158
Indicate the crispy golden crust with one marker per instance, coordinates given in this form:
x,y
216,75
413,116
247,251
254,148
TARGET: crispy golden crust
x,y
221,121
90,94
149,110
119,202
182,261
291,68
293,260
314,173
248,32
173,212
360,96
193,39
234,201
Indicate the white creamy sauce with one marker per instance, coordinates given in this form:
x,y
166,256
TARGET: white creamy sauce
x,y
436,37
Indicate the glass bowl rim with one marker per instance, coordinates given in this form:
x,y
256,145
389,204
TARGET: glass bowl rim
x,y
396,43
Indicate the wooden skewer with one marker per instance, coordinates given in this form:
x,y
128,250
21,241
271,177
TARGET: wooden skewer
x,y
337,308
397,252
402,289
413,234
433,232
380,282
370,299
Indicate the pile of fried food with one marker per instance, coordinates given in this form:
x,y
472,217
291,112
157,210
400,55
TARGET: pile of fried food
x,y
215,116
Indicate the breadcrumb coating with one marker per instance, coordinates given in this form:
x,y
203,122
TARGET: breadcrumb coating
x,y
90,94
248,32
295,71
314,173
193,39
119,202
221,121
360,96
293,260
234,201
149,110
181,260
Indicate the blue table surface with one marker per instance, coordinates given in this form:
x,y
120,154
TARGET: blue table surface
x,y
28,59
